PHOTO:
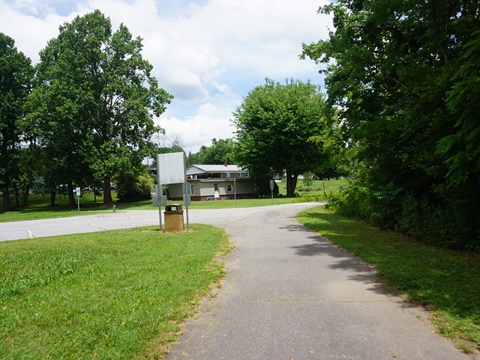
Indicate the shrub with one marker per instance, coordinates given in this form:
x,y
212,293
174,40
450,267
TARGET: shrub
x,y
443,217
135,187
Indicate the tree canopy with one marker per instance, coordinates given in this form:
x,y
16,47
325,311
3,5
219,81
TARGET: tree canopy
x,y
274,127
404,75
16,74
219,152
94,103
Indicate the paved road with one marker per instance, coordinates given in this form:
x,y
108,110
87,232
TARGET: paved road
x,y
288,294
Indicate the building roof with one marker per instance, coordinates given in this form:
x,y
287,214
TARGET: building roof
x,y
206,169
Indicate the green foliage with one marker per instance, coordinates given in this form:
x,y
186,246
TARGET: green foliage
x,y
308,179
378,207
441,217
462,148
262,188
109,295
403,76
274,125
135,186
442,280
16,75
94,103
221,151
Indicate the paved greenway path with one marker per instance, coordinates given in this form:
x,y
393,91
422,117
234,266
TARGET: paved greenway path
x,y
288,294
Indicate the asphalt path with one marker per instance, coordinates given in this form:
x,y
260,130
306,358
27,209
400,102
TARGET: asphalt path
x,y
288,293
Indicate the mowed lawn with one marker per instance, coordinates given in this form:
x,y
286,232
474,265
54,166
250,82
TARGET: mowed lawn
x,y
110,295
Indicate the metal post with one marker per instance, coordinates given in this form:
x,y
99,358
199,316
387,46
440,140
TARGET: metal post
x,y
272,186
235,192
78,191
159,197
186,207
186,197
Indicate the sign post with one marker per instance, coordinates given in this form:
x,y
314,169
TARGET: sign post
x,y
272,186
78,190
186,198
159,194
171,169
235,192
159,200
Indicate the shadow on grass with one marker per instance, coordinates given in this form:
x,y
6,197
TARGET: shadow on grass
x,y
442,280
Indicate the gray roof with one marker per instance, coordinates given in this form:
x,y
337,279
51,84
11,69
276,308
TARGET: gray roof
x,y
202,169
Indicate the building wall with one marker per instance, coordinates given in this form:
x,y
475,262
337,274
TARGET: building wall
x,y
205,189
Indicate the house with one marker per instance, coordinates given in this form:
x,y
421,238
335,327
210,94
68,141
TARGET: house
x,y
212,182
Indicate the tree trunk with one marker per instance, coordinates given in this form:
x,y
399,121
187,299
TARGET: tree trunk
x,y
26,193
52,198
71,195
107,191
17,198
291,183
439,38
6,200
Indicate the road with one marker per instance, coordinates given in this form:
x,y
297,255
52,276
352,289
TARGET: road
x,y
288,293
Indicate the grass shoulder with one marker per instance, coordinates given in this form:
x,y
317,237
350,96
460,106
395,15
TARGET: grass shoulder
x,y
112,295
443,281
39,207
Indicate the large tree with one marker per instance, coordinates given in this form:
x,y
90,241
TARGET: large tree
x,y
16,74
404,76
275,124
96,101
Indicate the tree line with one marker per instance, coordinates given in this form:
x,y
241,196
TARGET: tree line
x,y
82,116
404,78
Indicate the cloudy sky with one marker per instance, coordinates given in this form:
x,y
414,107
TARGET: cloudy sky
x,y
207,53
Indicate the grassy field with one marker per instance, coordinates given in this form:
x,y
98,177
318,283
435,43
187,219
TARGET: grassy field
x,y
39,206
445,282
110,295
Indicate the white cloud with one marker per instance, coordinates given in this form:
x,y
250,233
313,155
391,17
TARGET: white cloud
x,y
207,53
210,121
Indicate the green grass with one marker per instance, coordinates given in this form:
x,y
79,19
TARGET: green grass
x,y
109,295
39,206
444,281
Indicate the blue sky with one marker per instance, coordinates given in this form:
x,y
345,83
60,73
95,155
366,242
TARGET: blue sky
x,y
207,53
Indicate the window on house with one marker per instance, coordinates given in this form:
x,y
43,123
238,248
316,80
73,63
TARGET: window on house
x,y
215,186
192,189
229,187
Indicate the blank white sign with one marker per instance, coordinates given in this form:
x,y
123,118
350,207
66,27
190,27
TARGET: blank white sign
x,y
171,168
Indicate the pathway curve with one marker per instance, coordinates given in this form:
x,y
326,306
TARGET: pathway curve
x,y
288,293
